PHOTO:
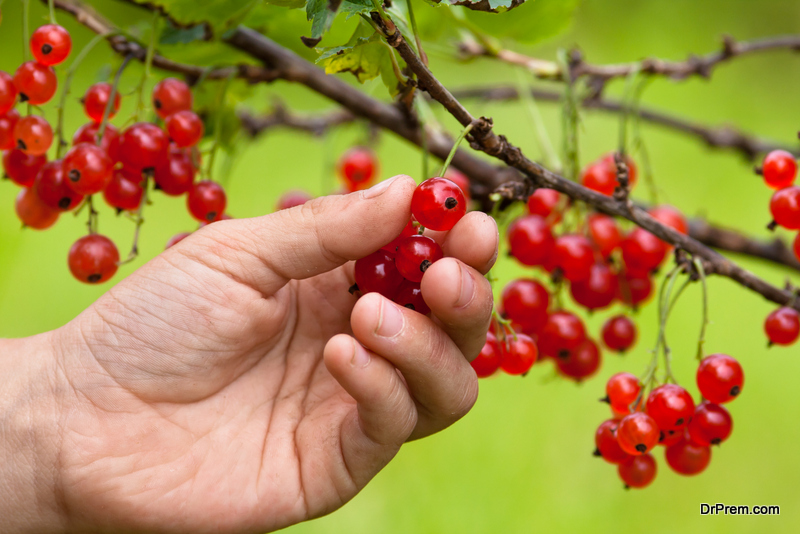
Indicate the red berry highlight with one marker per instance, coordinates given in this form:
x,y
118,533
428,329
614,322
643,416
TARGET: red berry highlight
x,y
720,378
93,259
415,254
438,204
50,44
619,333
779,169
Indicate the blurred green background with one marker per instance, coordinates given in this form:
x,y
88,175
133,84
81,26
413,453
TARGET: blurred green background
x,y
521,460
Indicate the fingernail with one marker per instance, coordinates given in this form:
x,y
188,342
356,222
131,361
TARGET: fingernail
x,y
390,320
378,189
467,292
360,356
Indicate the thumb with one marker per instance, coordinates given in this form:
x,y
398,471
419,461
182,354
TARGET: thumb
x,y
322,234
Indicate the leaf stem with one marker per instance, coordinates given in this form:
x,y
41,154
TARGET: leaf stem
x,y
422,55
545,145
110,104
453,150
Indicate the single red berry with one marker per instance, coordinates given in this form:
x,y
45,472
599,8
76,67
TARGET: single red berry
x,y
581,362
642,251
710,425
124,192
93,259
488,361
143,147
96,100
517,356
530,240
50,44
33,212
633,172
562,333
461,180
290,199
670,406
171,96
21,167
7,123
687,458
415,254
782,326
438,204
176,174
720,378
525,302
670,216
635,289
779,169
604,233
391,247
574,256
637,433
601,176
52,187
89,133
785,207
33,135
607,446
36,83
185,128
206,201
378,273
177,238
598,290
409,295
87,168
637,471
619,333
358,167
8,93
543,202
622,390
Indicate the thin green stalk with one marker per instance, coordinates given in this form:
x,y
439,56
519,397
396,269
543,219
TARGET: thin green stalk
x,y
398,73
110,104
51,5
628,99
543,139
139,220
384,17
218,125
422,55
423,134
698,263
148,63
570,119
453,150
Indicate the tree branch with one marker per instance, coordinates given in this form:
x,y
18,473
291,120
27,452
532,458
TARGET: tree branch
x,y
281,117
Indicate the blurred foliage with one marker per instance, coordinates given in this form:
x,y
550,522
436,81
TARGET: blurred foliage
x,y
521,460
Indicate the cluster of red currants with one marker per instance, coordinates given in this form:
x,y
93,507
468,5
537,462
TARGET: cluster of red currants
x,y
601,263
779,171
668,417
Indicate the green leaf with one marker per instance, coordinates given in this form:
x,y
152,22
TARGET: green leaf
x,y
173,35
321,17
489,6
291,4
221,15
533,21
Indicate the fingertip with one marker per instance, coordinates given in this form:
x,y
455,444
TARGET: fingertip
x,y
474,240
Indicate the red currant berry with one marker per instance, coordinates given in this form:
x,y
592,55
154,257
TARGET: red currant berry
x,y
710,425
124,192
358,167
574,256
581,362
171,96
670,216
51,186
605,441
143,147
206,201
33,135
670,406
415,254
562,333
93,259
642,251
88,133
409,295
637,433
50,44
8,93
604,233
290,199
635,289
518,355
96,100
461,180
785,207
7,123
622,390
176,174
637,471
185,128
21,167
88,168
36,83
177,238
720,378
687,458
438,204
488,361
530,240
33,212
543,202
633,172
378,273
408,231
619,333
601,176
525,302
597,291
783,326
779,169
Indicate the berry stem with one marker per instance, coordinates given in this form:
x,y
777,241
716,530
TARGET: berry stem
x,y
629,99
390,27
139,220
570,118
422,55
148,63
698,263
110,104
52,7
212,152
452,153
91,223
423,134
542,137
